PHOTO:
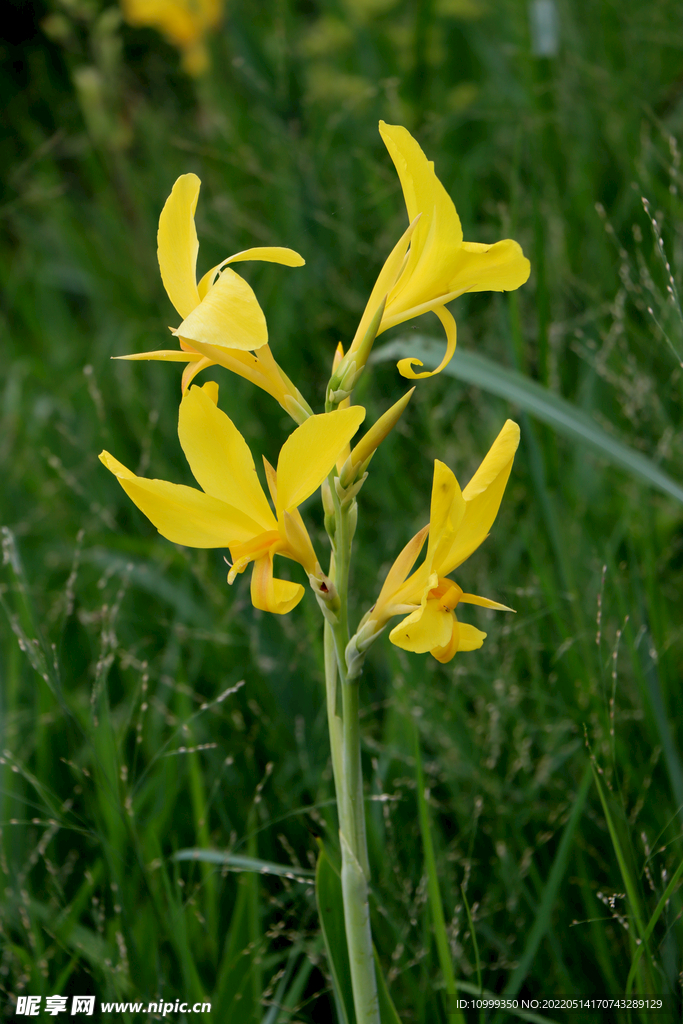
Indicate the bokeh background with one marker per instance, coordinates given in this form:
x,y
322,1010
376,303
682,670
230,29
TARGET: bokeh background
x,y
549,122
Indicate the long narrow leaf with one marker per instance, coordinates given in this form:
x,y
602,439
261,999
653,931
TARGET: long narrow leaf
x,y
239,862
550,890
435,903
538,401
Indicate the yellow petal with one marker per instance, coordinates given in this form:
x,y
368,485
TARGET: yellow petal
x,y
298,542
171,355
384,283
308,454
273,595
470,638
483,496
398,572
448,651
427,627
229,316
405,366
484,602
500,267
269,254
219,457
177,244
446,514
264,254
192,370
422,190
182,514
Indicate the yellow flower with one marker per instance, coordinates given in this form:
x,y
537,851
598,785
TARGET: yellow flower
x,y
232,510
183,22
439,266
459,522
222,320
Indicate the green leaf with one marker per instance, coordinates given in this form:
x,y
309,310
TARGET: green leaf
x,y
387,1010
328,893
538,401
331,910
241,863
550,890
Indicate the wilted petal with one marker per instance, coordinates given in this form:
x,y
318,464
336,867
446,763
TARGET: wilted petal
x,y
178,245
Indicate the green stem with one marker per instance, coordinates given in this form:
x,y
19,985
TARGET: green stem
x,y
344,728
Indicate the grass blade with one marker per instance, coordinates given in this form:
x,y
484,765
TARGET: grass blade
x,y
545,405
550,890
435,903
239,862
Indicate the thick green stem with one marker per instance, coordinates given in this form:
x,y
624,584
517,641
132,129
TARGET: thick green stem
x,y
346,764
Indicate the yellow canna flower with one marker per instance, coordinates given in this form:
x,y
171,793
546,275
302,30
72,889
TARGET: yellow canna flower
x,y
431,264
222,320
232,510
459,522
183,22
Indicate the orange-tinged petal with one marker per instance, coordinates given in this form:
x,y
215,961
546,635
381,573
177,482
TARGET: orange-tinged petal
x,y
448,651
182,514
310,452
177,244
427,627
483,496
192,370
219,457
229,316
298,542
270,594
501,267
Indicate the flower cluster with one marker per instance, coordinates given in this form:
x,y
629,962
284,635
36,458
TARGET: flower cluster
x,y
223,324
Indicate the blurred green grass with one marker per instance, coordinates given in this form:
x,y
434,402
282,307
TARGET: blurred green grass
x,y
116,645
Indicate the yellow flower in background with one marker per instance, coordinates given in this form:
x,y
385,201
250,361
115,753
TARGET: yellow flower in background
x,y
459,523
232,510
222,321
431,264
183,22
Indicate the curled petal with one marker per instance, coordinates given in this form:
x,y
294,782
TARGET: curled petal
x,y
405,366
191,371
270,594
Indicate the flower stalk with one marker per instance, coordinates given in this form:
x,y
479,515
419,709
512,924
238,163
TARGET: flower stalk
x,y
344,726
